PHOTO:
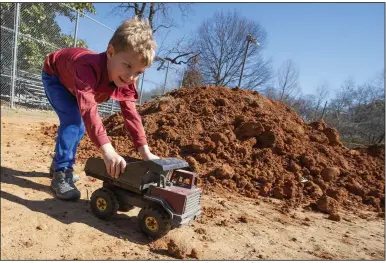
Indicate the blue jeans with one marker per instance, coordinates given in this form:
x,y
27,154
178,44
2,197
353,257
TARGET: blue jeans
x,y
71,127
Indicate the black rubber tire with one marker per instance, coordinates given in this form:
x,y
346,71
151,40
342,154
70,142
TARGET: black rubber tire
x,y
125,208
160,216
122,206
110,203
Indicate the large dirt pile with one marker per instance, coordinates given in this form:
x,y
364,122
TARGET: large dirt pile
x,y
240,141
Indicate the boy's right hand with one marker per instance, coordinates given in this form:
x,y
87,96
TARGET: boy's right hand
x,y
115,164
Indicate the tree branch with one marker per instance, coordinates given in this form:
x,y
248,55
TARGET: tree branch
x,y
174,60
161,26
151,15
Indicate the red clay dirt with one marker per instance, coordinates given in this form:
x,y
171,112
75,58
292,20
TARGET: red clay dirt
x,y
241,142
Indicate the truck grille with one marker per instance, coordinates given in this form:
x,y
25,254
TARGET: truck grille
x,y
192,202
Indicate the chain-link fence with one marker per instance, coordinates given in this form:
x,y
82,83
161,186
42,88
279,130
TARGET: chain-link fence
x,y
30,31
8,19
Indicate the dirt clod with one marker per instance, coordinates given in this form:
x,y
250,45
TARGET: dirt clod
x,y
200,231
330,173
195,254
41,227
327,205
177,250
334,217
245,219
225,171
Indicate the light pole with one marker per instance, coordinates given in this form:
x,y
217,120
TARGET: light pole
x,y
249,39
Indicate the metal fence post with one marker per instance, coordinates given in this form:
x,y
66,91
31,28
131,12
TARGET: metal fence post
x,y
112,107
15,54
166,77
183,77
76,28
140,96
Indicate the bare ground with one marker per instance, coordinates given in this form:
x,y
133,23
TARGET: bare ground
x,y
36,226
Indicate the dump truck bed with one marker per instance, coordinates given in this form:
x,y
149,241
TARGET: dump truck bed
x,y
139,174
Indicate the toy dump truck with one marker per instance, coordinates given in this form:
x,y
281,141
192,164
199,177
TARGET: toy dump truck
x,y
168,195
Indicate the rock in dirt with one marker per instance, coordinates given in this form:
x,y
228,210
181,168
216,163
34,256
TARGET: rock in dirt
x,y
327,205
224,172
193,164
219,137
249,129
313,190
245,219
41,227
330,173
355,187
334,217
339,194
293,167
333,136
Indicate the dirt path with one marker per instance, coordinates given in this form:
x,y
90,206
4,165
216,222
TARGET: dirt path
x,y
36,226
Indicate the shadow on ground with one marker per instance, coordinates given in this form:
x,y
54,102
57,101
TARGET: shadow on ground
x,y
120,226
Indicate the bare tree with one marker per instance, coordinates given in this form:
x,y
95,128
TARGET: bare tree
x,y
304,106
221,43
178,54
287,80
160,17
158,14
357,111
269,91
342,103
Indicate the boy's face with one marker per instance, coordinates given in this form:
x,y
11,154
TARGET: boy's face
x,y
124,67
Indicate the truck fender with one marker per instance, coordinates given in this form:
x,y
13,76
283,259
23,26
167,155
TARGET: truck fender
x,y
162,203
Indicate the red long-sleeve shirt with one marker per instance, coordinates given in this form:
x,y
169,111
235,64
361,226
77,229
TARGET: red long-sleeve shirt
x,y
84,73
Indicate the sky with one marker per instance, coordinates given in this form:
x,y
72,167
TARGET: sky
x,y
328,42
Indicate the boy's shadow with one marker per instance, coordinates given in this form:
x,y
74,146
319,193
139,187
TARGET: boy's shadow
x,y
120,225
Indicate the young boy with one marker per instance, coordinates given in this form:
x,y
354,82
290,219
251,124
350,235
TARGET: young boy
x,y
76,80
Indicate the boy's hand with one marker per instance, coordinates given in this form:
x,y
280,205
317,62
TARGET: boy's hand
x,y
115,164
150,156
146,154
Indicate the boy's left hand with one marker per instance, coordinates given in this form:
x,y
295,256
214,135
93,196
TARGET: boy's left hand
x,y
150,156
146,154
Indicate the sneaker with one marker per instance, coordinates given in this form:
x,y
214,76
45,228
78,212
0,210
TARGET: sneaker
x,y
63,186
75,177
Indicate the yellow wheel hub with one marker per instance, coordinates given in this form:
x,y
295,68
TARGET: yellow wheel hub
x,y
151,223
101,204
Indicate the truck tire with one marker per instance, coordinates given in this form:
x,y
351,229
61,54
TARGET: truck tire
x,y
123,207
104,203
154,221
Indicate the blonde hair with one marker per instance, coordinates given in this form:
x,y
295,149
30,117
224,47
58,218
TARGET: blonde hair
x,y
137,35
